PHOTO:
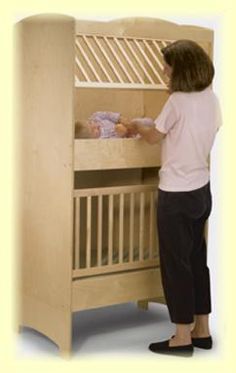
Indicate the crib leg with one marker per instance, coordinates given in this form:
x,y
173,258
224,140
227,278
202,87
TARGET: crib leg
x,y
143,304
65,349
65,352
158,300
65,343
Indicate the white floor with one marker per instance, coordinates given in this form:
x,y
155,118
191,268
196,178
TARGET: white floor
x,y
121,330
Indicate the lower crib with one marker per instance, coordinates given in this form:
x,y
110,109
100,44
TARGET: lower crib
x,y
114,252
115,255
114,230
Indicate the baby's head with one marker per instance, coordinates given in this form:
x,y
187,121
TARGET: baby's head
x,y
87,129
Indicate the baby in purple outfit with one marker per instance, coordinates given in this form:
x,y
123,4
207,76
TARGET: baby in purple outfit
x,y
103,124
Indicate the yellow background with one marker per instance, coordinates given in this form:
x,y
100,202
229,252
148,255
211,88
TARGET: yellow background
x,y
15,10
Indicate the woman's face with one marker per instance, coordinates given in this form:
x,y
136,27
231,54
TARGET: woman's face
x,y
167,70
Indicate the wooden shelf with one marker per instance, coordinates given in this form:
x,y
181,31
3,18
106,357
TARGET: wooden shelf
x,y
97,154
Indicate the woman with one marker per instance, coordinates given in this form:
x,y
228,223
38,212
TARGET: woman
x,y
187,127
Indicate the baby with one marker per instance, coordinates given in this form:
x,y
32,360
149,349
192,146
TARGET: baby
x,y
103,124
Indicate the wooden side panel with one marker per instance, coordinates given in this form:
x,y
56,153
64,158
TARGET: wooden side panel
x,y
46,131
89,100
101,154
146,27
154,102
99,291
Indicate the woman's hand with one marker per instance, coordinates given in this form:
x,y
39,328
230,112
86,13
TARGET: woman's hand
x,y
126,127
145,127
132,128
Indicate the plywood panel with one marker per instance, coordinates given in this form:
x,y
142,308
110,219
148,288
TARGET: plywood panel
x,y
154,102
88,101
46,131
113,289
146,27
98,154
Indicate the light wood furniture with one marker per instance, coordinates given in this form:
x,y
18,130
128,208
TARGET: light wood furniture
x,y
87,207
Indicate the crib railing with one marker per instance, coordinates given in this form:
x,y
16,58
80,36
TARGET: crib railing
x,y
114,229
119,62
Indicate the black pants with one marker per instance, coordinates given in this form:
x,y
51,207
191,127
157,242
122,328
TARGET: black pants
x,y
181,218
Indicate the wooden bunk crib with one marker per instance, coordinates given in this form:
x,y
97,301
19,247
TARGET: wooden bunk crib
x,y
87,206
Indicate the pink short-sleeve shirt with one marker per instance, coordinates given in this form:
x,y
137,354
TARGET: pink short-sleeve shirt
x,y
190,122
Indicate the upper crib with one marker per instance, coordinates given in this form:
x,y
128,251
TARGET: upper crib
x,y
119,67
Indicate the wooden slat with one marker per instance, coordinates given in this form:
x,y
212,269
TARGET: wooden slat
x,y
80,84
110,228
121,228
88,232
101,49
113,67
84,272
122,66
163,42
77,232
167,40
157,61
158,49
136,61
114,190
98,60
76,81
86,59
131,64
99,234
142,64
141,225
89,62
131,228
80,66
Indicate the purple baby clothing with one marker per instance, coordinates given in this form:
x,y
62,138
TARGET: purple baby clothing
x,y
106,121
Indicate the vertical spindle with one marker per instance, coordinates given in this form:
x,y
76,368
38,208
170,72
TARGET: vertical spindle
x,y
121,228
141,225
110,229
77,232
131,228
99,234
88,233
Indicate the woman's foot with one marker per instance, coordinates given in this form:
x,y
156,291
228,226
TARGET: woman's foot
x,y
172,347
201,327
177,341
198,334
203,342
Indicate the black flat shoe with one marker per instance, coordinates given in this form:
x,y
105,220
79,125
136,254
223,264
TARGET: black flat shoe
x,y
205,342
164,348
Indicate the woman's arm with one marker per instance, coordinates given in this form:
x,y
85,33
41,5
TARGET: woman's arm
x,y
145,127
